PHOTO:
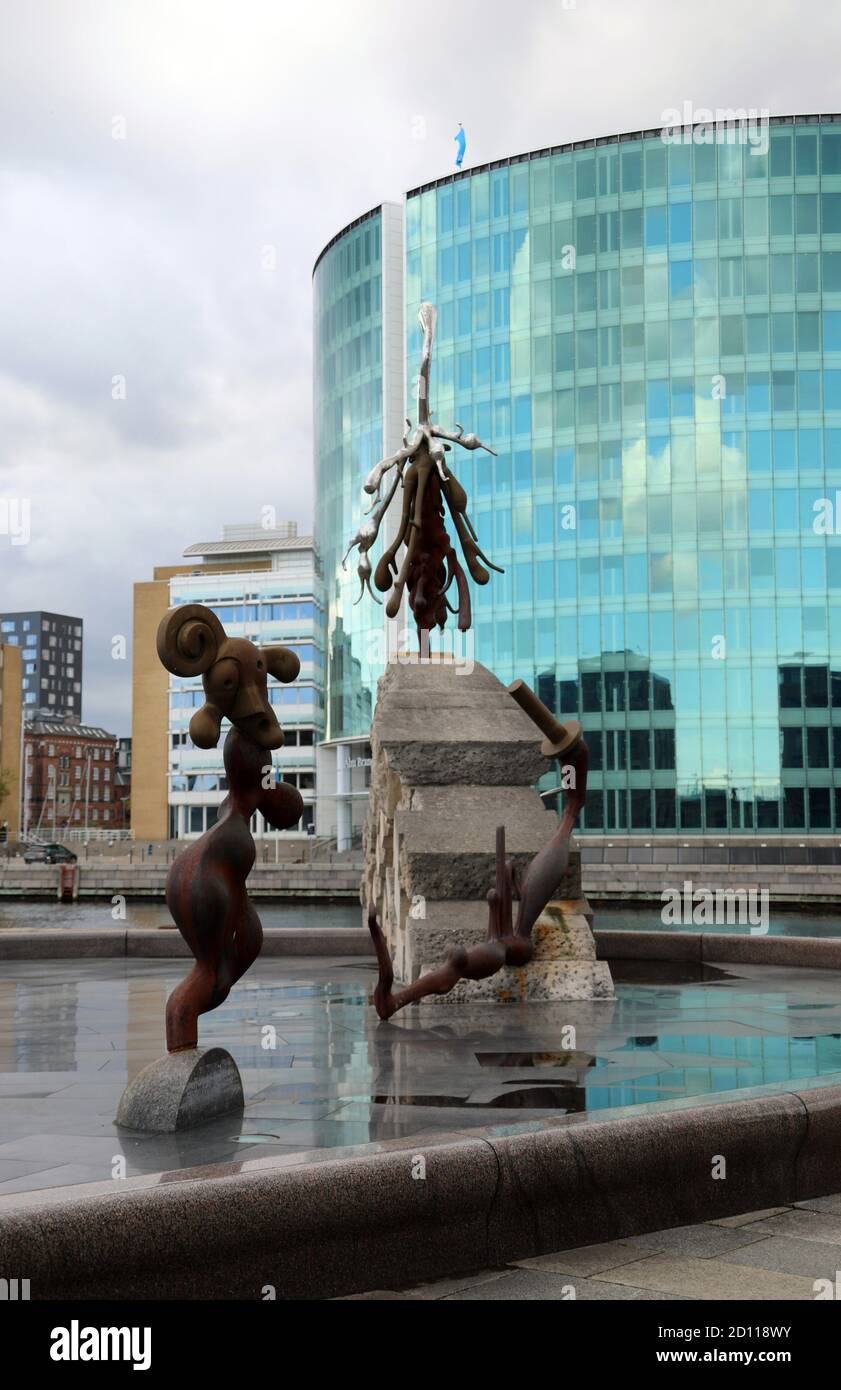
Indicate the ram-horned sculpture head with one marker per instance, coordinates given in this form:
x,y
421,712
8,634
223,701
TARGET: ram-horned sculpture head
x,y
191,641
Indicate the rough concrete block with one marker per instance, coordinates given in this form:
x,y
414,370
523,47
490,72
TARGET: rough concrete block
x,y
545,981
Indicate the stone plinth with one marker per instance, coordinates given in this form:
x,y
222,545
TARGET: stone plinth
x,y
453,757
180,1090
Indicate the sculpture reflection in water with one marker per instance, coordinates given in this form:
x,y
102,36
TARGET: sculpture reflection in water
x,y
507,944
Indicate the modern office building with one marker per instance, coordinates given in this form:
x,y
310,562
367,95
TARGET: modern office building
x,y
11,735
358,416
263,584
51,644
647,328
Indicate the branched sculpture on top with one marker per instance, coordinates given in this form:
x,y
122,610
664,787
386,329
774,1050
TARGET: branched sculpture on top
x,y
430,563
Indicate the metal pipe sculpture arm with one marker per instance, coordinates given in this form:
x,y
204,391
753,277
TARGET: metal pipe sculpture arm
x,y
430,563
506,944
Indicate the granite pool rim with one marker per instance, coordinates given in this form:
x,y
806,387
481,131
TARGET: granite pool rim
x,y
342,1221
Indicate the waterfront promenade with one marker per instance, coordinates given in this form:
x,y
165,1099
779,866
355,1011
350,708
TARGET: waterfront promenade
x,y
790,886
132,873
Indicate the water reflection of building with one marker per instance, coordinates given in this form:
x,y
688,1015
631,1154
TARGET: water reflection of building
x,y
351,700
647,768
629,722
810,737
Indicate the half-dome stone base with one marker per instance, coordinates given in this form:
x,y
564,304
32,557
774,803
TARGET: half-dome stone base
x,y
181,1090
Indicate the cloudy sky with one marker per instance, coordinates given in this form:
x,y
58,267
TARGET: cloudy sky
x,y
255,123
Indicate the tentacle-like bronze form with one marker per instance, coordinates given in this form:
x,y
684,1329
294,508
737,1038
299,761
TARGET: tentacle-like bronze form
x,y
467,441
421,466
467,535
365,537
423,474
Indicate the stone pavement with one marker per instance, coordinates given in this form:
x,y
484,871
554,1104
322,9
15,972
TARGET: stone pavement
x,y
775,1254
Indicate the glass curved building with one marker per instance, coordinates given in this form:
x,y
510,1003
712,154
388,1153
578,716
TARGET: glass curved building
x,y
647,328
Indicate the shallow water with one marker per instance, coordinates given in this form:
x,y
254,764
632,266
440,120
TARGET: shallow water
x,y
98,915
320,1071
647,918
305,914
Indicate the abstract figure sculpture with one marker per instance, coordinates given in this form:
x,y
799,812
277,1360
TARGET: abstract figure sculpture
x,y
506,944
205,890
430,563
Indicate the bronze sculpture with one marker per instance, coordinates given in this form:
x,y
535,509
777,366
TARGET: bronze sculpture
x,y
205,889
429,567
430,564
507,944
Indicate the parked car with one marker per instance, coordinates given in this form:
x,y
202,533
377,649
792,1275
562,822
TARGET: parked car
x,y
49,854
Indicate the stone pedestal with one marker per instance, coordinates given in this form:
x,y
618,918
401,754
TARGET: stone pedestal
x,y
181,1090
453,757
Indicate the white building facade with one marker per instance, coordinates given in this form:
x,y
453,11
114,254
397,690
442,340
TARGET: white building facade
x,y
283,604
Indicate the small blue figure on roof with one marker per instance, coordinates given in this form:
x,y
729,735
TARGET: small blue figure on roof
x,y
461,144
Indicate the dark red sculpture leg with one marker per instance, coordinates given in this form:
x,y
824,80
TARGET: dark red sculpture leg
x,y
462,963
206,891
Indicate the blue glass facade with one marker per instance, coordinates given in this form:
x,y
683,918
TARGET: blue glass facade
x,y
649,333
348,424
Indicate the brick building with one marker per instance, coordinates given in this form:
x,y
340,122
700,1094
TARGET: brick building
x,y
69,779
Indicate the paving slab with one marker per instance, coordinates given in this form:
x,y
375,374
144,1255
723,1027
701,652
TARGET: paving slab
x,y
749,1217
820,1226
437,1289
691,1277
529,1284
826,1204
813,1259
586,1260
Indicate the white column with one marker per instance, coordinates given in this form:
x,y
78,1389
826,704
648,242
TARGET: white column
x,y
343,820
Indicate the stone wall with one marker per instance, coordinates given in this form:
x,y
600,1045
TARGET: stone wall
x,y
100,879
